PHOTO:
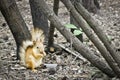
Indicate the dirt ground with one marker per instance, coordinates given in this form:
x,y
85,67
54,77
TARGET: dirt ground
x,y
69,67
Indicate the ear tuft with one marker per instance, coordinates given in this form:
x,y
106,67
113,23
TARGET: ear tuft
x,y
34,42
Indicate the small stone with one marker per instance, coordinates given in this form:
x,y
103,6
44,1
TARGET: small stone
x,y
52,71
9,43
4,25
65,78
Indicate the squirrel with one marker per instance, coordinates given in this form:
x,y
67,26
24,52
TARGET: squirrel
x,y
32,51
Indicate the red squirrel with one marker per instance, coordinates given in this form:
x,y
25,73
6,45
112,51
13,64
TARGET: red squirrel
x,y
32,51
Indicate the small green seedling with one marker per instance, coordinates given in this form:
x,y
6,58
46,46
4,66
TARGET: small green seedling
x,y
76,30
110,38
70,26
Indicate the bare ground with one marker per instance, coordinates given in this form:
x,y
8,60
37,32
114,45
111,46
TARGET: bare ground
x,y
69,66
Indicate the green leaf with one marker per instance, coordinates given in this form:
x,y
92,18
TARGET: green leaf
x,y
70,26
80,29
77,32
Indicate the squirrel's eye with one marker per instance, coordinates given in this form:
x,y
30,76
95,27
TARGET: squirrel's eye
x,y
37,47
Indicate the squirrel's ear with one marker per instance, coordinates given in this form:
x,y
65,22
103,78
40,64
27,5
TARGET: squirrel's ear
x,y
34,42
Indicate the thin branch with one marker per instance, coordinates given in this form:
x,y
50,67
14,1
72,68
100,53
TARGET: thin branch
x,y
72,52
52,28
95,26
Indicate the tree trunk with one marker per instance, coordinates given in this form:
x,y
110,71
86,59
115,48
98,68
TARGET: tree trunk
x,y
52,27
91,5
76,43
86,28
95,26
15,21
39,19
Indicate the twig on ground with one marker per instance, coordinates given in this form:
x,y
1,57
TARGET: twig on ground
x,y
72,52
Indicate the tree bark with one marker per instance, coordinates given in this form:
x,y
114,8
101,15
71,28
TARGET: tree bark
x,y
15,21
76,43
52,27
86,28
39,19
95,26
91,5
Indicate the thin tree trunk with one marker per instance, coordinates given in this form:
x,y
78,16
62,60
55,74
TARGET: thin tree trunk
x,y
86,28
52,28
39,19
95,26
15,21
91,5
76,43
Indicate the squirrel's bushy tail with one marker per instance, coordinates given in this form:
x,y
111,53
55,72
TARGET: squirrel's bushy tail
x,y
23,50
37,34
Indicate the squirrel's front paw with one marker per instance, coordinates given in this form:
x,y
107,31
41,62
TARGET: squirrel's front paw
x,y
34,70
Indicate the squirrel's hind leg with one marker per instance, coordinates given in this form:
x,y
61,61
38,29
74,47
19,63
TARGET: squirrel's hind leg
x,y
30,64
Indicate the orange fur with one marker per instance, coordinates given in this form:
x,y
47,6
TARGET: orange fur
x,y
32,52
